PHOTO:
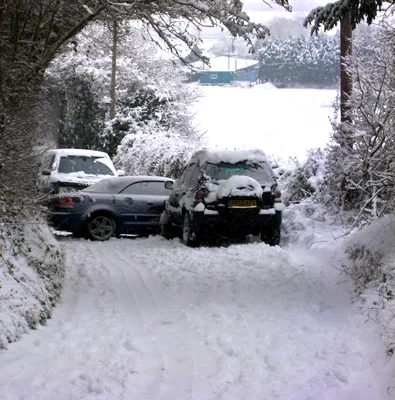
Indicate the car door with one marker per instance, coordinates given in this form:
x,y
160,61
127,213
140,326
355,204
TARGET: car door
x,y
141,204
43,179
179,191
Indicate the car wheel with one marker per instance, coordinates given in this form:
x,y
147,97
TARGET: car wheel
x,y
189,233
271,236
101,227
166,226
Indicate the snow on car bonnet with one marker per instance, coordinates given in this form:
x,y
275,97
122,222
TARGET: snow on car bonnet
x,y
237,185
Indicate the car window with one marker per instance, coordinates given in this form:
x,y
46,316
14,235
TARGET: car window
x,y
148,188
261,172
88,165
196,173
111,185
186,175
47,162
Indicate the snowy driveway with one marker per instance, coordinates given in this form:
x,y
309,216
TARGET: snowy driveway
x,y
150,319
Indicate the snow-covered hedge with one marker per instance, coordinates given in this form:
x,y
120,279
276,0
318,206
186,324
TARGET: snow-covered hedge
x,y
155,151
371,264
31,273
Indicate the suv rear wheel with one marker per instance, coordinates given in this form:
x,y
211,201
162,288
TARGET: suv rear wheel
x,y
189,233
166,226
271,236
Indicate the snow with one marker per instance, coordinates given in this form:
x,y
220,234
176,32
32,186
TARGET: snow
x,y
265,86
224,63
79,152
27,291
153,319
282,122
239,186
230,156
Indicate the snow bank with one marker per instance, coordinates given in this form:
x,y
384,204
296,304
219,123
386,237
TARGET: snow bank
x,y
31,276
266,85
371,263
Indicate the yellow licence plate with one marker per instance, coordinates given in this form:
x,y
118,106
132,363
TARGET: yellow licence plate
x,y
243,203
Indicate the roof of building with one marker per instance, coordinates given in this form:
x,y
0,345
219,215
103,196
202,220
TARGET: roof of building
x,y
224,63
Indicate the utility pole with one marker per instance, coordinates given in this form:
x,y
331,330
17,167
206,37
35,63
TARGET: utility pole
x,y
345,78
113,92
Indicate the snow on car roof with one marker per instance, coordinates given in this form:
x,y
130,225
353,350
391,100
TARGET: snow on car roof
x,y
80,152
230,156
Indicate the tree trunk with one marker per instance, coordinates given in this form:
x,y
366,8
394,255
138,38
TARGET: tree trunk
x,y
114,69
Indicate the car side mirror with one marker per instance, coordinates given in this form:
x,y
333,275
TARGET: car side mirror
x,y
169,185
121,172
46,172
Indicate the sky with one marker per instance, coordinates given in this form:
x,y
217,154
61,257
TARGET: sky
x,y
297,5
262,12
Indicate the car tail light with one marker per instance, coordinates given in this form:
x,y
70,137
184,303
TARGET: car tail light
x,y
65,202
277,196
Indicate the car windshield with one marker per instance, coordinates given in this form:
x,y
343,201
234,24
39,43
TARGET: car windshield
x,y
88,165
261,172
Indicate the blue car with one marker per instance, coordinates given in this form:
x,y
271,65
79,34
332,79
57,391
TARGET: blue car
x,y
114,206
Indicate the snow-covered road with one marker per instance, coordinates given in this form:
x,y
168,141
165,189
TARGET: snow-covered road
x,y
150,319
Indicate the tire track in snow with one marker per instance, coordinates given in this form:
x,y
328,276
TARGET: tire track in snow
x,y
177,361
151,361
185,376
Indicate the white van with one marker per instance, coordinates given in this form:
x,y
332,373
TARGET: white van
x,y
67,169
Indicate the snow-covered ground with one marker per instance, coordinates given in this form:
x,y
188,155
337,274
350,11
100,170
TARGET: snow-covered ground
x,y
282,122
153,319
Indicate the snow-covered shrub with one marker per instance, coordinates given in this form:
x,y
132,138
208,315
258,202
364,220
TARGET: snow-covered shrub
x,y
360,165
364,266
150,150
150,90
302,180
31,271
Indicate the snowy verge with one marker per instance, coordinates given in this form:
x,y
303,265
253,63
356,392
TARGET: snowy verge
x,y
371,264
31,276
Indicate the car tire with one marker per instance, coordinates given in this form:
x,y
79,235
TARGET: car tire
x,y
101,227
271,236
189,233
166,226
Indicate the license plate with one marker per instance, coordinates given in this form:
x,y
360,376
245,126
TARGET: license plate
x,y
242,203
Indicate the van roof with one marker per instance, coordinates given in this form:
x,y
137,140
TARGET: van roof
x,y
79,152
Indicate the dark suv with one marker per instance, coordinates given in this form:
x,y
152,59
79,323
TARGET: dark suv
x,y
224,193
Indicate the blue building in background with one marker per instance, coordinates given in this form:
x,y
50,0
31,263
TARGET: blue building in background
x,y
226,70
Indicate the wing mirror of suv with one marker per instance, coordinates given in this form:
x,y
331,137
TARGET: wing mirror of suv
x,y
169,185
46,172
121,172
